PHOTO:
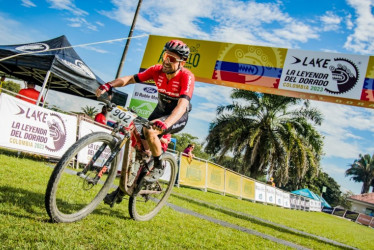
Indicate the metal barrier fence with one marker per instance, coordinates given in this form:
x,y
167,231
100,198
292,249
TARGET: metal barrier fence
x,y
350,215
206,175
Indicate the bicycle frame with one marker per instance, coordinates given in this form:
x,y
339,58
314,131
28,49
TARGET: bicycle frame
x,y
132,142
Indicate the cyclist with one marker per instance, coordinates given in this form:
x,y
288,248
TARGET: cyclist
x,y
175,86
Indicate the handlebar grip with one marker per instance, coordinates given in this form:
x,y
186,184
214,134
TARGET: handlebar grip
x,y
110,105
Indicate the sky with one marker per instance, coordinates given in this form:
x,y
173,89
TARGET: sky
x,y
341,26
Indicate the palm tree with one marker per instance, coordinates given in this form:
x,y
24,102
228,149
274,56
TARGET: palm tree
x,y
267,135
362,170
90,111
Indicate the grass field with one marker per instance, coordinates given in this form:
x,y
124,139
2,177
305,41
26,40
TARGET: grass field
x,y
25,223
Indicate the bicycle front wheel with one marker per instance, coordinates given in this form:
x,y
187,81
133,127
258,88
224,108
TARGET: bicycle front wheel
x,y
153,196
73,192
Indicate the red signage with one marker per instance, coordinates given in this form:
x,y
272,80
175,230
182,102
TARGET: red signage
x,y
364,219
372,223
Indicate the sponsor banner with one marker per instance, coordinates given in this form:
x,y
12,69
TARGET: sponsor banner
x,y
279,197
307,205
144,99
315,205
351,215
318,207
248,189
260,192
298,202
327,210
270,194
193,174
232,183
330,77
286,200
31,128
216,178
312,205
292,201
85,155
330,74
302,203
339,212
364,219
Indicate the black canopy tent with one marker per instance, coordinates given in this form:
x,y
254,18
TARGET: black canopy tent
x,y
53,68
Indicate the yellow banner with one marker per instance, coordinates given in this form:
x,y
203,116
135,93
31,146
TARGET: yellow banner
x,y
193,174
233,183
216,177
323,76
248,187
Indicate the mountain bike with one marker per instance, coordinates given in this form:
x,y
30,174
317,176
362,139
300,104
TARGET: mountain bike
x,y
75,188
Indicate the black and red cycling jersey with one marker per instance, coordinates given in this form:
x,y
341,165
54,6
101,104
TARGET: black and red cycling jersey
x,y
169,91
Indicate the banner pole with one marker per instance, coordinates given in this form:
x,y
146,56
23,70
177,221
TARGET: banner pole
x,y
206,176
128,39
179,169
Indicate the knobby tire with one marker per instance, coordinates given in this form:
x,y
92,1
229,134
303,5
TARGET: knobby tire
x,y
135,202
60,170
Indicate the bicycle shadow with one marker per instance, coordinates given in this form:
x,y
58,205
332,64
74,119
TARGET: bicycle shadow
x,y
27,204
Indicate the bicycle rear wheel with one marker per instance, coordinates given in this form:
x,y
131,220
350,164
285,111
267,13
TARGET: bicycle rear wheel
x,y
153,196
73,193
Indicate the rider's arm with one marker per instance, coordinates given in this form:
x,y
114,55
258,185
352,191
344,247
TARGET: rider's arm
x,y
178,111
119,82
122,81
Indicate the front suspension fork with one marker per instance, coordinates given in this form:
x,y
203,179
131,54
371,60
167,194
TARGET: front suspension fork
x,y
107,163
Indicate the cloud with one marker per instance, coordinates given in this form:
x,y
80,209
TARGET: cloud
x,y
348,22
223,20
100,23
332,169
331,21
78,21
81,22
214,94
28,3
67,5
362,39
341,127
205,100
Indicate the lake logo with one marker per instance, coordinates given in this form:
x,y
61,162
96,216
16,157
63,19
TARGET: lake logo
x,y
150,90
57,131
34,47
345,74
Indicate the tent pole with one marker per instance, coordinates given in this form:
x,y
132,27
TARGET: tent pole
x,y
45,97
43,87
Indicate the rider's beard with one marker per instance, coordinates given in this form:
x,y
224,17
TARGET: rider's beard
x,y
167,68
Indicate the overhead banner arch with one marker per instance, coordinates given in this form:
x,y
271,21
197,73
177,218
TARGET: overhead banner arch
x,y
323,76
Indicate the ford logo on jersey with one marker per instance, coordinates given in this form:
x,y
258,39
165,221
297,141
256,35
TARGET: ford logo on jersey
x,y
150,90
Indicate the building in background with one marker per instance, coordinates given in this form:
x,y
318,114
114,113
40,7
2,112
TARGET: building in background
x,y
363,203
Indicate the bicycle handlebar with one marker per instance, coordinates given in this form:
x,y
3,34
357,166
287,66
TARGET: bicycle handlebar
x,y
109,105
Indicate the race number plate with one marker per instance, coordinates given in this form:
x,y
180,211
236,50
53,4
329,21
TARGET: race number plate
x,y
122,116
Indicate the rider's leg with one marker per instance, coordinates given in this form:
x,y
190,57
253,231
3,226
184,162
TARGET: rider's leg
x,y
117,195
154,144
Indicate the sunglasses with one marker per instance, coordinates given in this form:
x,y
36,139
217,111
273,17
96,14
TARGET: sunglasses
x,y
171,59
